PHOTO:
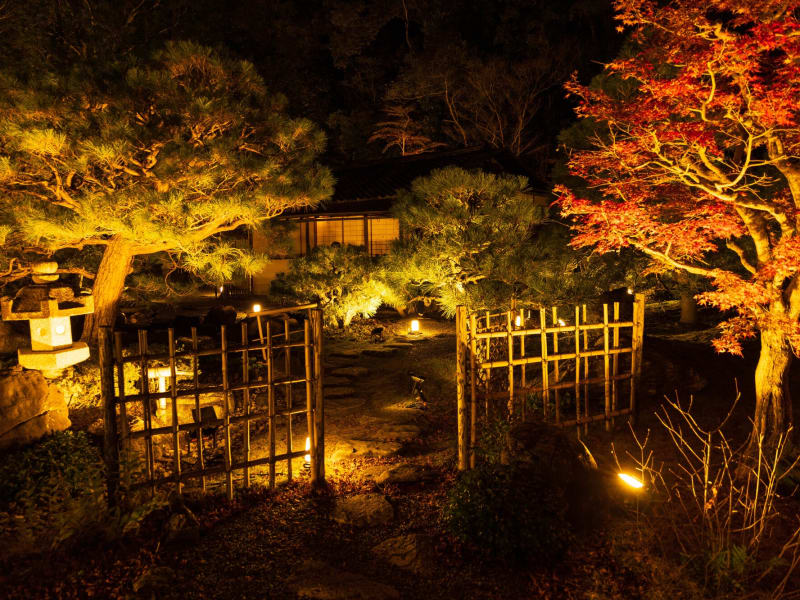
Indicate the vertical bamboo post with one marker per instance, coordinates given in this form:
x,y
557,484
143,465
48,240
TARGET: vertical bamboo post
x,y
462,414
173,396
585,373
556,373
615,362
510,339
227,414
488,369
246,399
271,405
545,369
606,370
309,378
524,374
199,420
261,337
123,408
318,464
144,385
287,368
578,370
110,440
637,339
473,404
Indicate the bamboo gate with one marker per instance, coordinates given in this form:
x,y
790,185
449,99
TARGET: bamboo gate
x,y
258,379
572,368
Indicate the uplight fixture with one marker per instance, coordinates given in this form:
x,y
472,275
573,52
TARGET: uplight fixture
x,y
414,325
631,481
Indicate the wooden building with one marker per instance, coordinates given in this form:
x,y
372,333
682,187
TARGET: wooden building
x,y
360,211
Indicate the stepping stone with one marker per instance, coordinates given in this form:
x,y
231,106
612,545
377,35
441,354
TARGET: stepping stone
x,y
413,552
335,381
400,345
363,510
339,392
343,449
380,351
350,371
404,473
345,353
344,403
397,432
316,580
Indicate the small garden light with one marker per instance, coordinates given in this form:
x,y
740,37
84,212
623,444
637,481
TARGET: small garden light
x,y
414,326
562,323
307,456
256,308
518,321
630,291
631,481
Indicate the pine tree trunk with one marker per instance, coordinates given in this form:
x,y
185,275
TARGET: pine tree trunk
x,y
688,309
108,286
773,414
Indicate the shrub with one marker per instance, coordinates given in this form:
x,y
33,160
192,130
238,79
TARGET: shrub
x,y
343,279
511,512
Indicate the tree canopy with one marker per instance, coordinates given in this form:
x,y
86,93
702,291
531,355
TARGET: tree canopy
x,y
698,159
157,157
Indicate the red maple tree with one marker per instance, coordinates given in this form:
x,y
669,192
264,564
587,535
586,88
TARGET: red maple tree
x,y
701,157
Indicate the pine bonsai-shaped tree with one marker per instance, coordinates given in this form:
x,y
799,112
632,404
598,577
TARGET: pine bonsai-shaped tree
x,y
160,157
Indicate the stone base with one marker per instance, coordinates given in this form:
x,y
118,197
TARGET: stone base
x,y
52,361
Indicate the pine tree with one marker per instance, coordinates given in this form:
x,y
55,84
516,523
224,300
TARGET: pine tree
x,y
159,157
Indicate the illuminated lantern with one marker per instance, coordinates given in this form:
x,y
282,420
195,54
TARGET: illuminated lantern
x,y
630,291
162,374
518,321
48,307
307,456
414,326
256,308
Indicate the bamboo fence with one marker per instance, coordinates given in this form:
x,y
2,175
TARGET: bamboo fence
x,y
539,363
279,382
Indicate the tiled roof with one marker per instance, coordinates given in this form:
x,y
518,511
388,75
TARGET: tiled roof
x,y
371,187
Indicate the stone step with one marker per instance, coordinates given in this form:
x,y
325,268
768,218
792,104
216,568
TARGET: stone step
x,y
339,392
349,371
380,351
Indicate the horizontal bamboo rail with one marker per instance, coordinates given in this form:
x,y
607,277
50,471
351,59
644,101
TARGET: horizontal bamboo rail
x,y
496,349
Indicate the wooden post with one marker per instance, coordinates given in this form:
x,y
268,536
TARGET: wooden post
x,y
585,374
227,414
318,441
545,373
606,370
509,326
556,372
309,380
615,362
110,441
144,385
578,370
488,369
637,339
196,382
463,414
473,404
173,394
123,409
271,406
246,399
287,368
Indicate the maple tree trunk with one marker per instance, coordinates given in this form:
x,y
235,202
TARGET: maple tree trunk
x,y
773,414
108,286
688,309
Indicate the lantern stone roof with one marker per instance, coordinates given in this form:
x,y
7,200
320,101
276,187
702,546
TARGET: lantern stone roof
x,y
42,301
372,187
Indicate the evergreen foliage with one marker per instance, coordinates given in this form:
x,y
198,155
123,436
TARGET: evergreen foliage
x,y
155,157
345,281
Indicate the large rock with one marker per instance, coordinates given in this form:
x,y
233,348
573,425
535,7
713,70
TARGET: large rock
x,y
30,408
363,510
413,552
316,580
404,473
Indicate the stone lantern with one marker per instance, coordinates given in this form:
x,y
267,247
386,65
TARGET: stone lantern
x,y
48,306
